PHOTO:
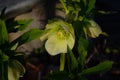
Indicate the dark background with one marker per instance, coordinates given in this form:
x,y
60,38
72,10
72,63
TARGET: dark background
x,y
110,23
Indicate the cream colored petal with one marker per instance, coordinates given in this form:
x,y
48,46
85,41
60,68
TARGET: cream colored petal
x,y
70,41
54,45
94,32
15,70
94,29
70,36
68,28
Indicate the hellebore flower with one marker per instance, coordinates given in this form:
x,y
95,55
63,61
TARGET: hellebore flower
x,y
59,35
93,29
15,70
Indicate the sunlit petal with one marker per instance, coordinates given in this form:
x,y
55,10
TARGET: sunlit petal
x,y
54,45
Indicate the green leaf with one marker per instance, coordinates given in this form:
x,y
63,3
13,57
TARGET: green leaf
x,y
102,67
82,50
82,44
19,56
3,32
105,12
72,61
77,25
3,57
81,59
91,5
14,47
83,5
4,70
15,70
85,2
3,66
58,75
2,13
23,24
18,25
27,37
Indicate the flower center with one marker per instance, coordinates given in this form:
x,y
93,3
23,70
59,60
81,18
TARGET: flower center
x,y
61,34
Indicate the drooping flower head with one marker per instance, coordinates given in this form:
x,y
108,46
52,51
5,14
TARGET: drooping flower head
x,y
59,35
93,29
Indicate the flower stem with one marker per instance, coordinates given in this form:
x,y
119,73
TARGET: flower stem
x,y
64,6
62,61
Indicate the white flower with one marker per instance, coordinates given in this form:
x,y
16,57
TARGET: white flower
x,y
93,30
59,35
15,70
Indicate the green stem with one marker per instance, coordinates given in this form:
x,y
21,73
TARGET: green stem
x,y
2,71
62,61
85,31
3,67
76,16
66,10
44,35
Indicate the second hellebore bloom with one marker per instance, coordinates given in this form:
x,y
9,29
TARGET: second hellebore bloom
x,y
93,29
59,35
